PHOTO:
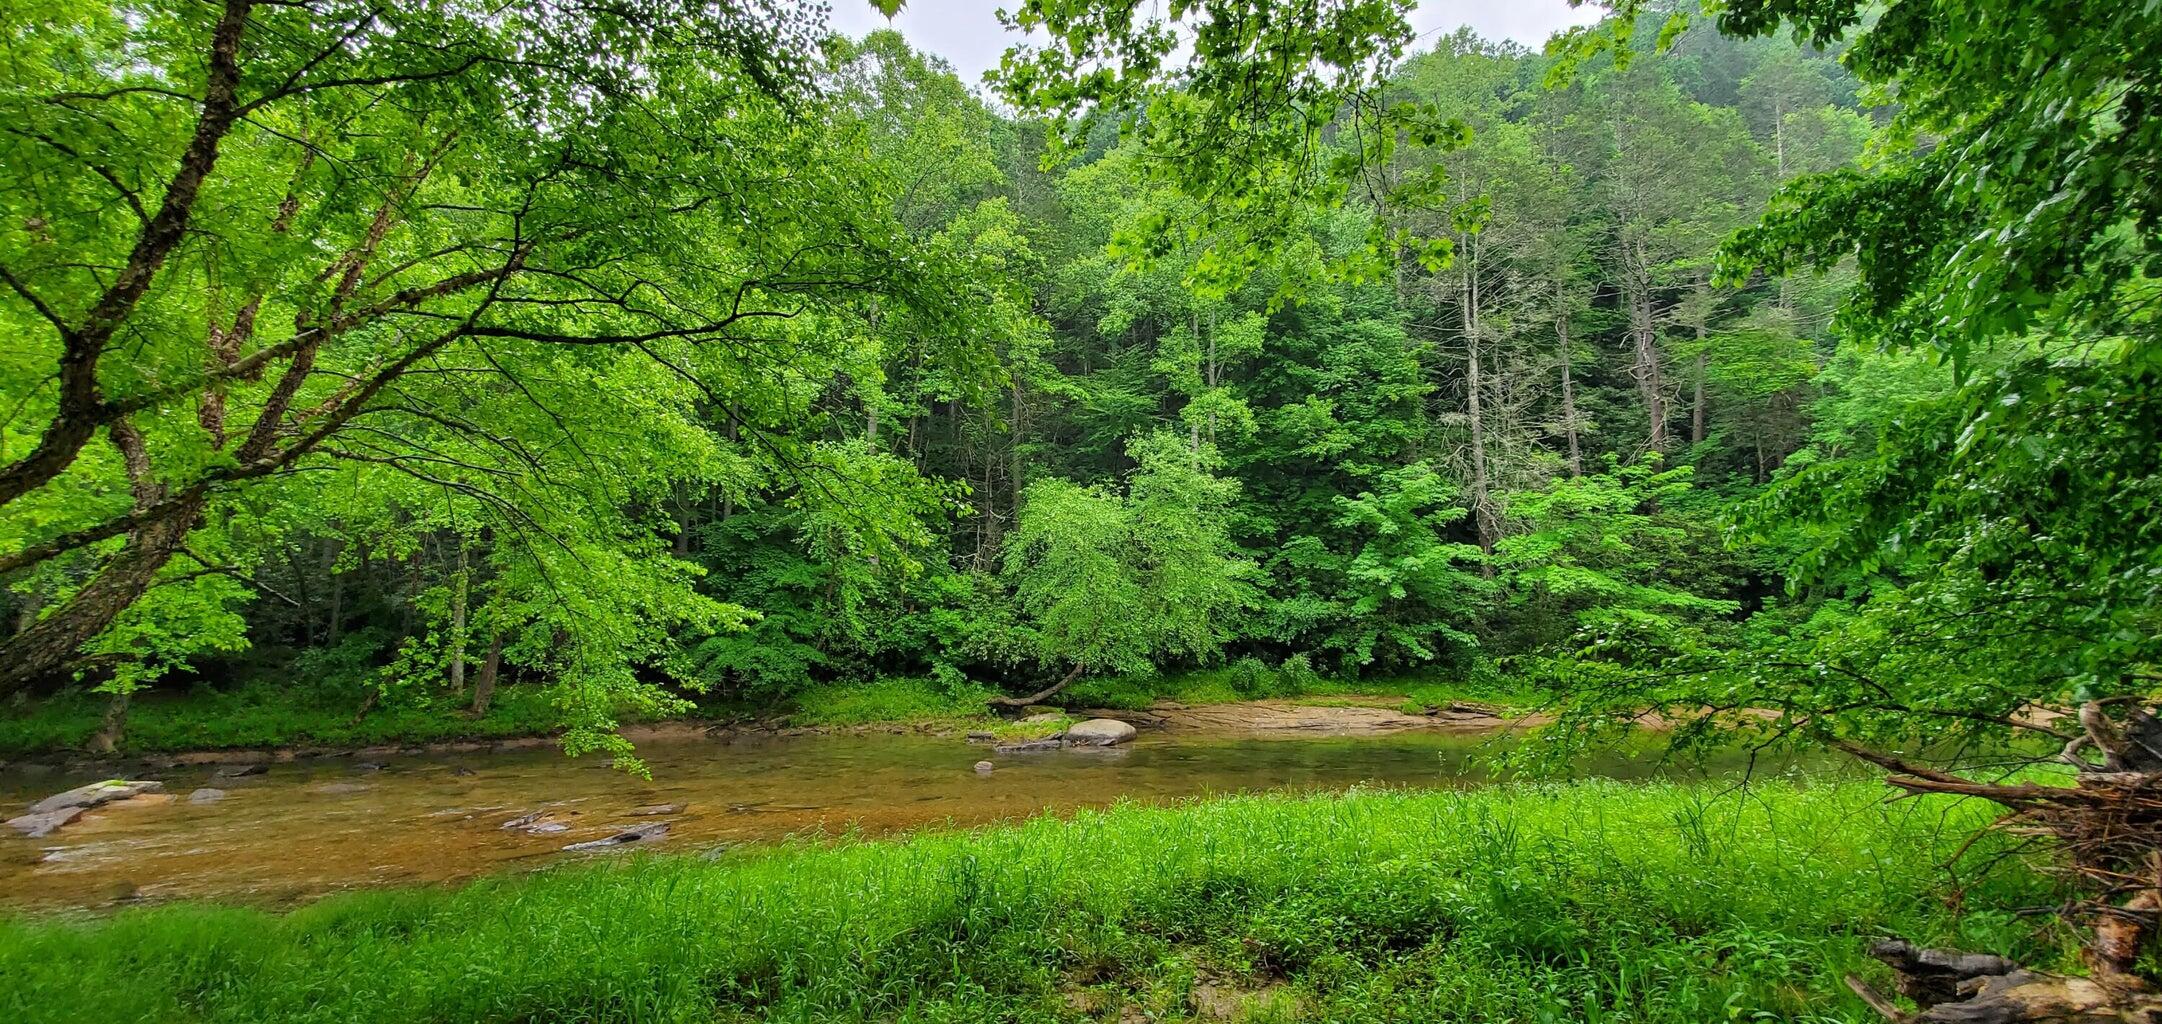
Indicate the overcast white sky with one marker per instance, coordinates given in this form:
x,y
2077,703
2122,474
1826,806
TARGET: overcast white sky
x,y
967,33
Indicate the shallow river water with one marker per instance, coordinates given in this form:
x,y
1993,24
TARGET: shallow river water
x,y
310,827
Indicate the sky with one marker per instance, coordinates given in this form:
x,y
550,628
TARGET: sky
x,y
967,33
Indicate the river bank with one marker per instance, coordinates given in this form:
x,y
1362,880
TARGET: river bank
x,y
264,723
1589,901
273,832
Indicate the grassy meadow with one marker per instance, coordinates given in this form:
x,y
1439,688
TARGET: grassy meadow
x,y
1586,901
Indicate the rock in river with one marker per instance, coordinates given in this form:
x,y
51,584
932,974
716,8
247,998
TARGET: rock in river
x,y
651,810
1099,732
640,834
206,796
38,826
984,767
94,794
235,771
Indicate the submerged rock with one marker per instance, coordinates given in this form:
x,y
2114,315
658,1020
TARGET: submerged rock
x,y
206,796
342,788
235,771
1099,732
1027,745
984,767
94,794
639,834
38,826
651,810
546,828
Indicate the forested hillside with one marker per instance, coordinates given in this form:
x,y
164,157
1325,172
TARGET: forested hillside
x,y
1064,442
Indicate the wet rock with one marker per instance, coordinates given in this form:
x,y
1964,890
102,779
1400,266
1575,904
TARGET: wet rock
x,y
639,834
206,795
94,794
650,810
984,767
1026,746
238,771
38,826
524,820
368,766
982,737
546,828
341,788
1099,732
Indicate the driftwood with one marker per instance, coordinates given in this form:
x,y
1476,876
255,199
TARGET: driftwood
x,y
1973,988
2108,827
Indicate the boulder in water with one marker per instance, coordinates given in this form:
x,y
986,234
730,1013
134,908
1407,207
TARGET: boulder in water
x,y
1099,732
639,834
984,767
206,796
94,794
236,771
38,826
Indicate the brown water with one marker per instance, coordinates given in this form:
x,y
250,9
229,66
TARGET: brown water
x,y
312,827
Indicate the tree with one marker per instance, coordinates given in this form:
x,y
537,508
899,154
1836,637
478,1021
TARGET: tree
x,y
1112,583
479,253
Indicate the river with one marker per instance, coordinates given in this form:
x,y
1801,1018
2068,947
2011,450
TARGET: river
x,y
309,827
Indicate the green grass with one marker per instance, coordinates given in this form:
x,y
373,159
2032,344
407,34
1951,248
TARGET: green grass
x,y
1593,902
265,716
896,700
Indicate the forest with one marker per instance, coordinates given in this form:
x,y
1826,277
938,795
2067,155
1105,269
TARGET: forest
x,y
1778,377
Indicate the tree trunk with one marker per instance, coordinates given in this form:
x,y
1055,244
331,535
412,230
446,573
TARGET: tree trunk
x,y
460,586
1041,695
484,684
1568,388
1650,376
1703,325
1482,504
52,644
115,725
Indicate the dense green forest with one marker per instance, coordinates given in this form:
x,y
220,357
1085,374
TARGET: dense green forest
x,y
941,410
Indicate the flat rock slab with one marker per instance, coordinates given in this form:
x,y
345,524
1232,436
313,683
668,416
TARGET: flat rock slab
x,y
94,794
38,826
640,834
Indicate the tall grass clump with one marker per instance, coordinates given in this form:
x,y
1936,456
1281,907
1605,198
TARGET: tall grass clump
x,y
1588,901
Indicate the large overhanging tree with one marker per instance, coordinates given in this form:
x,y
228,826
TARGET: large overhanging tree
x,y
497,266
